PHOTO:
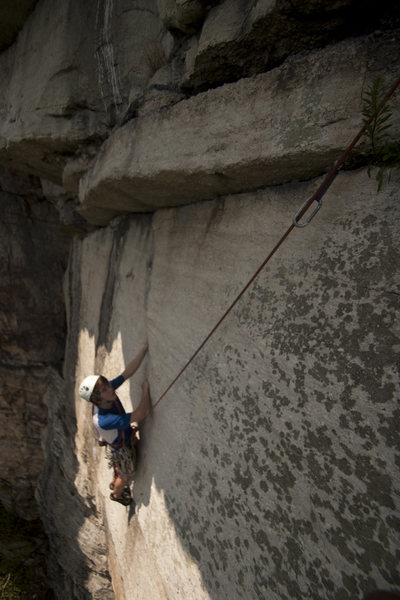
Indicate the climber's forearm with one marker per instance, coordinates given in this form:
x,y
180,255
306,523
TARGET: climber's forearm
x,y
133,366
141,411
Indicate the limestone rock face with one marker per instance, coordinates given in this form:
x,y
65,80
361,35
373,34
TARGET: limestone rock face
x,y
12,18
23,418
288,124
78,563
192,132
72,76
33,259
277,445
240,38
181,14
68,77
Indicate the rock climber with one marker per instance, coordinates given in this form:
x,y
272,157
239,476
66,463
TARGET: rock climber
x,y
117,428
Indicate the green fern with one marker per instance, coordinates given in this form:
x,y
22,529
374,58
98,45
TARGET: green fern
x,y
376,117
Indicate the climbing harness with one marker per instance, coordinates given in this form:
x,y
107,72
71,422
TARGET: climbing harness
x,y
316,197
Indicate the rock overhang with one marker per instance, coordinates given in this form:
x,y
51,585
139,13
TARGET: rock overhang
x,y
238,137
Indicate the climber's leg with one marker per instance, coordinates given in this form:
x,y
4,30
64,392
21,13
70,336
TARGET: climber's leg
x,y
123,462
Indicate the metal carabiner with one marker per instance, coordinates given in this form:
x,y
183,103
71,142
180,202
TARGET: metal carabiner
x,y
295,221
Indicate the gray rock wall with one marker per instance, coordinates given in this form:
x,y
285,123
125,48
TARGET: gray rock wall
x,y
12,18
74,75
68,78
288,124
34,255
270,469
282,461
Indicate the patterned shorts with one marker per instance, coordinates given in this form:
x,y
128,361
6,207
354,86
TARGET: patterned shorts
x,y
123,461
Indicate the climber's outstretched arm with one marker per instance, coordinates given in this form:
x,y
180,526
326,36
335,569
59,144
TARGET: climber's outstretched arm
x,y
142,409
133,366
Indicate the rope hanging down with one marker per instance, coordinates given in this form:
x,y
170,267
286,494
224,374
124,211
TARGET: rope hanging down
x,y
316,197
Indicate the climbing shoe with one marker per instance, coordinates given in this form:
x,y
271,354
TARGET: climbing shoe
x,y
124,500
126,492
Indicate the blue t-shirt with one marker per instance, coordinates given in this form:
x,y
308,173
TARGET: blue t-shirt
x,y
113,424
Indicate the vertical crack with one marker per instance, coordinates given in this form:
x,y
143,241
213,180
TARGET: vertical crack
x,y
147,288
109,289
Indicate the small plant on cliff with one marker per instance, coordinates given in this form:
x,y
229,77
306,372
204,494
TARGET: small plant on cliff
x,y
385,154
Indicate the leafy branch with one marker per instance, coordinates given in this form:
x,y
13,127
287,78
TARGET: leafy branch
x,y
376,118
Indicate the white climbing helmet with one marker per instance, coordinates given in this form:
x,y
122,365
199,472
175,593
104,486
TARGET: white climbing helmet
x,y
87,385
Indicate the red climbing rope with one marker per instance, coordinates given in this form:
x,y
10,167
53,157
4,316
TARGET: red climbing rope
x,y
316,197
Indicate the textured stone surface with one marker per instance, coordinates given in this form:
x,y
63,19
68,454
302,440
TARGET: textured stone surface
x,y
69,77
23,417
291,123
12,17
78,559
240,38
73,75
181,14
288,419
268,471
103,327
34,255
23,552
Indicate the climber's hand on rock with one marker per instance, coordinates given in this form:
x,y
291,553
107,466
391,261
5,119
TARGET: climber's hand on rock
x,y
141,411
